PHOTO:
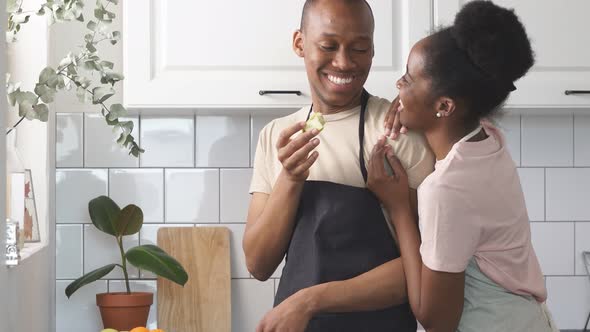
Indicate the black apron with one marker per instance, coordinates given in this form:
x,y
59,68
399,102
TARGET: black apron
x,y
340,232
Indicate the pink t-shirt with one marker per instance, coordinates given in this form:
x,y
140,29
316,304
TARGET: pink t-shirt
x,y
472,205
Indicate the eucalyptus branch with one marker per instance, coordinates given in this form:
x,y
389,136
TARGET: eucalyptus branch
x,y
16,124
51,81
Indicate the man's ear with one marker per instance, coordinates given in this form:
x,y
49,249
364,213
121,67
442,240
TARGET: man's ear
x,y
298,42
446,106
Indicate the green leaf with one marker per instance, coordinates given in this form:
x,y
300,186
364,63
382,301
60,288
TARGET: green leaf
x,y
88,278
26,109
42,112
121,138
91,25
114,2
129,220
61,82
41,11
112,122
12,97
127,127
107,64
46,74
88,37
100,94
12,5
116,111
46,93
151,258
27,96
99,13
20,18
90,47
91,65
111,77
103,213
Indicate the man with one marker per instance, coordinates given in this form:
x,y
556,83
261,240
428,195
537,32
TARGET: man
x,y
309,199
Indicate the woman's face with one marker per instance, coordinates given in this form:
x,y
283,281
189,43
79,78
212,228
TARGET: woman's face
x,y
417,105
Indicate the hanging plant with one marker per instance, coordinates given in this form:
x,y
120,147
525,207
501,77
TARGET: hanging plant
x,y
75,71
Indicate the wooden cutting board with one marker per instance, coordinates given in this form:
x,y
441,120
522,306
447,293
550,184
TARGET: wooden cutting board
x,y
204,304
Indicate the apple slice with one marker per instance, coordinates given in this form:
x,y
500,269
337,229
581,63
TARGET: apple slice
x,y
316,121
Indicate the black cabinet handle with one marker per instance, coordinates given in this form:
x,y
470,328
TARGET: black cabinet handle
x,y
577,92
279,92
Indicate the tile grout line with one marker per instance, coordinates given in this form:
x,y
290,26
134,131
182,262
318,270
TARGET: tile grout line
x,y
83,140
545,194
195,141
575,270
139,159
139,138
164,172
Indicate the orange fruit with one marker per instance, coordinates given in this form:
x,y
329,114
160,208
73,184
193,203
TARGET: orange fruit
x,y
139,329
157,330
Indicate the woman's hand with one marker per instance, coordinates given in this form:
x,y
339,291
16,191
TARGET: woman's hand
x,y
296,154
392,191
393,126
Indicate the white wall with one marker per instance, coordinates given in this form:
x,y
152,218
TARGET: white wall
x,y
28,289
3,105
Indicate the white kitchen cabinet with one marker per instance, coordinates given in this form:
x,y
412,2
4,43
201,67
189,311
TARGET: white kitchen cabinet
x,y
560,36
220,54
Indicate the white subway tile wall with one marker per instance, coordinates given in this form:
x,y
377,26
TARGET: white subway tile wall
x,y
99,150
547,140
196,172
142,187
68,138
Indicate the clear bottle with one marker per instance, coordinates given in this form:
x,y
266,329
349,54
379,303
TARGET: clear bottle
x,y
15,186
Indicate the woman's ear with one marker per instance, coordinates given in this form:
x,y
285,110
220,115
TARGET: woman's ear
x,y
445,106
298,43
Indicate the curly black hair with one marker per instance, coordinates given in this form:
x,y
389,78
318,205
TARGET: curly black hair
x,y
478,58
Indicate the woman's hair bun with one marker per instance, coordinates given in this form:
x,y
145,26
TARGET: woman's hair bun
x,y
494,40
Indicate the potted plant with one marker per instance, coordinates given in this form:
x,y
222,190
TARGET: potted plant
x,y
126,310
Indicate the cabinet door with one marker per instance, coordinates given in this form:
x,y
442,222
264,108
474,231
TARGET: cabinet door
x,y
220,54
560,35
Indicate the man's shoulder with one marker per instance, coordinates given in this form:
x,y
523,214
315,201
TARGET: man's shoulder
x,y
376,102
377,107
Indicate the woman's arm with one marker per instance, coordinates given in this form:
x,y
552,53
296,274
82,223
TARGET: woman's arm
x,y
436,298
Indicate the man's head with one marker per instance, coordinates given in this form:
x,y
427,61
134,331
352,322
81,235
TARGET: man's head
x,y
336,41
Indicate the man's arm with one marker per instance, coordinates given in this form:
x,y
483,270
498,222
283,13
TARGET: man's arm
x,y
269,227
271,217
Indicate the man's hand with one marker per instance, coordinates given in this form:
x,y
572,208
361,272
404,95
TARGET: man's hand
x,y
294,153
392,191
292,315
393,126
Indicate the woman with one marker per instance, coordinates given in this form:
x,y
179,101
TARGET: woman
x,y
473,267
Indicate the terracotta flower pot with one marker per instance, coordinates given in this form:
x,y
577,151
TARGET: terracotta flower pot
x,y
122,311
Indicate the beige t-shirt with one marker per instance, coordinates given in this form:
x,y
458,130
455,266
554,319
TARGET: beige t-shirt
x,y
338,159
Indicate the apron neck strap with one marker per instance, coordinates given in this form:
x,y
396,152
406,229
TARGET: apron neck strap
x,y
364,101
